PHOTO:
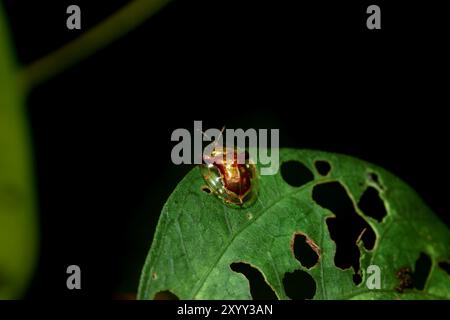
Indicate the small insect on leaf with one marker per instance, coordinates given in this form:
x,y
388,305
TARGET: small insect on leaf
x,y
232,182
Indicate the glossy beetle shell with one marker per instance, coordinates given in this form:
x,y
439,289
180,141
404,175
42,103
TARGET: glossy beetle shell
x,y
235,184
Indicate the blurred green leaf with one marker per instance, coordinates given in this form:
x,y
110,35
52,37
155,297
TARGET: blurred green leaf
x,y
18,230
198,237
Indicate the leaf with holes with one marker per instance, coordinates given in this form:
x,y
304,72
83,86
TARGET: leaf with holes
x,y
326,226
18,232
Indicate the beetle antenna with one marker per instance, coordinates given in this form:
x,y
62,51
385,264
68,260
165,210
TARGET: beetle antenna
x,y
203,133
209,138
221,133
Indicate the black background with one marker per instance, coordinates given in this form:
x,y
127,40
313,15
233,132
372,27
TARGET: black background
x,y
101,130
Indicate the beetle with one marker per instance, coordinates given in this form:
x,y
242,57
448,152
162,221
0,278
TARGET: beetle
x,y
234,183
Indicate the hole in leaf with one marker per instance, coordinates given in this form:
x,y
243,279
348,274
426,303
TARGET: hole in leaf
x,y
347,227
372,205
299,285
165,295
305,251
421,271
295,173
373,177
259,288
416,279
323,167
154,276
206,189
445,266
357,279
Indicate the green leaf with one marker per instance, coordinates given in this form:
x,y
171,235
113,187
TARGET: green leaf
x,y
198,237
18,233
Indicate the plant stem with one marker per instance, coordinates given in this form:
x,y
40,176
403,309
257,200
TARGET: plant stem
x,y
115,26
